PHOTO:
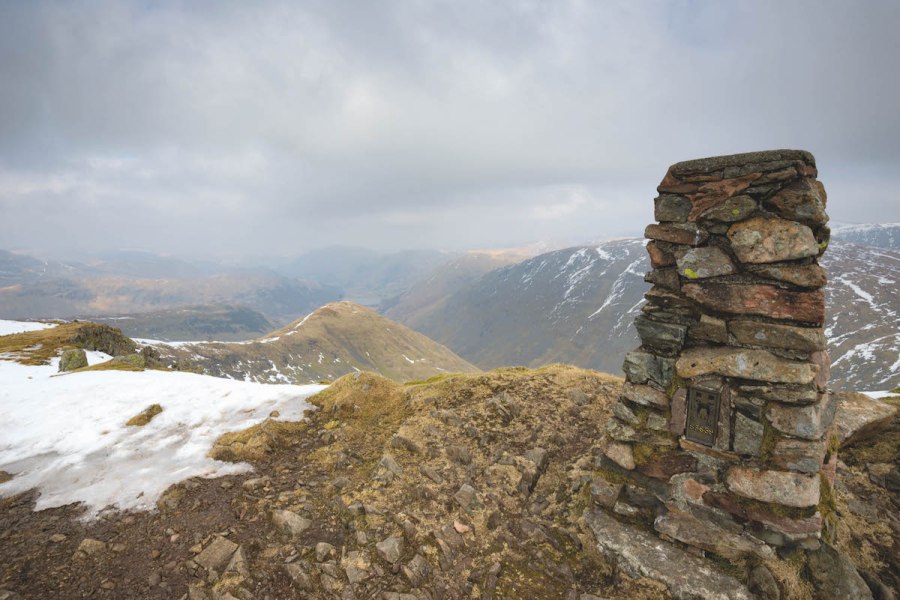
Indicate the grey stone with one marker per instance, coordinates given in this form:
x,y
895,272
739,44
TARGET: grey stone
x,y
736,208
709,329
704,534
806,422
299,574
763,584
645,395
356,566
671,207
808,276
834,576
605,493
768,240
621,454
859,417
459,454
748,435
746,363
323,551
802,200
388,468
642,554
72,359
701,263
624,414
779,487
238,563
775,335
417,570
465,496
643,367
217,554
90,547
665,338
390,549
803,456
290,522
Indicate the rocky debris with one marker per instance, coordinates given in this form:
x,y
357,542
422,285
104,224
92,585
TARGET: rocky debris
x,y
388,468
641,554
860,417
324,550
72,359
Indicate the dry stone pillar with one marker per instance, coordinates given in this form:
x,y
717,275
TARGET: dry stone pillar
x,y
721,435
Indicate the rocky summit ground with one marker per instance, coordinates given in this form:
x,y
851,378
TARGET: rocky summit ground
x,y
462,486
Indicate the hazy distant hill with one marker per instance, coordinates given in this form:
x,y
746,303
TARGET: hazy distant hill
x,y
366,276
577,306
200,323
131,283
882,235
334,340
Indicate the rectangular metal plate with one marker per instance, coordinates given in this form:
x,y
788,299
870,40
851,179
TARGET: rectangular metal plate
x,y
702,415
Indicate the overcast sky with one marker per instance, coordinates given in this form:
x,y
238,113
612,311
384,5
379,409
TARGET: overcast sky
x,y
226,129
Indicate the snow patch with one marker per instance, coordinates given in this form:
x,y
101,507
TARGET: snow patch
x,y
11,327
65,434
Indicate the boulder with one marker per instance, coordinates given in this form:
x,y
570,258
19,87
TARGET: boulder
x,y
834,576
642,554
72,359
859,417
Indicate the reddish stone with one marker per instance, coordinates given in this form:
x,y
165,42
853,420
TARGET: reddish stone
x,y
800,201
672,185
658,256
677,233
714,193
778,487
759,299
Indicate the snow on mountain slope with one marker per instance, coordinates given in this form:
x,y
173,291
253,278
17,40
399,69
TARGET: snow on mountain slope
x,y
882,235
66,435
11,327
577,306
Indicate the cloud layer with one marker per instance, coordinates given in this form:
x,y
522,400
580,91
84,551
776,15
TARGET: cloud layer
x,y
234,128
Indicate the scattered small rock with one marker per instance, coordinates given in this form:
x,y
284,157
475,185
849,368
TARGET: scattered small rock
x,y
390,549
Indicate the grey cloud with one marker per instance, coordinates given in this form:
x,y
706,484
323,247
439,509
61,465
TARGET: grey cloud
x,y
271,127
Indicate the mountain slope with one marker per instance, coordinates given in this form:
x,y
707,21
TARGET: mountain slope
x,y
577,306
881,235
416,307
333,340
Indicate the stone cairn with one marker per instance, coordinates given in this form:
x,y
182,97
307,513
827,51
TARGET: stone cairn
x,y
721,435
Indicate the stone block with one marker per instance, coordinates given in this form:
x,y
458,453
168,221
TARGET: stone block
x,y
801,200
803,456
709,329
665,338
701,263
807,422
660,256
605,493
643,367
689,234
776,335
768,240
664,278
671,207
703,534
713,194
759,299
808,276
678,417
748,435
645,395
778,487
621,454
733,209
744,363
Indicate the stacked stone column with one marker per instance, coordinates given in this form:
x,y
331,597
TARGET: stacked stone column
x,y
721,434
